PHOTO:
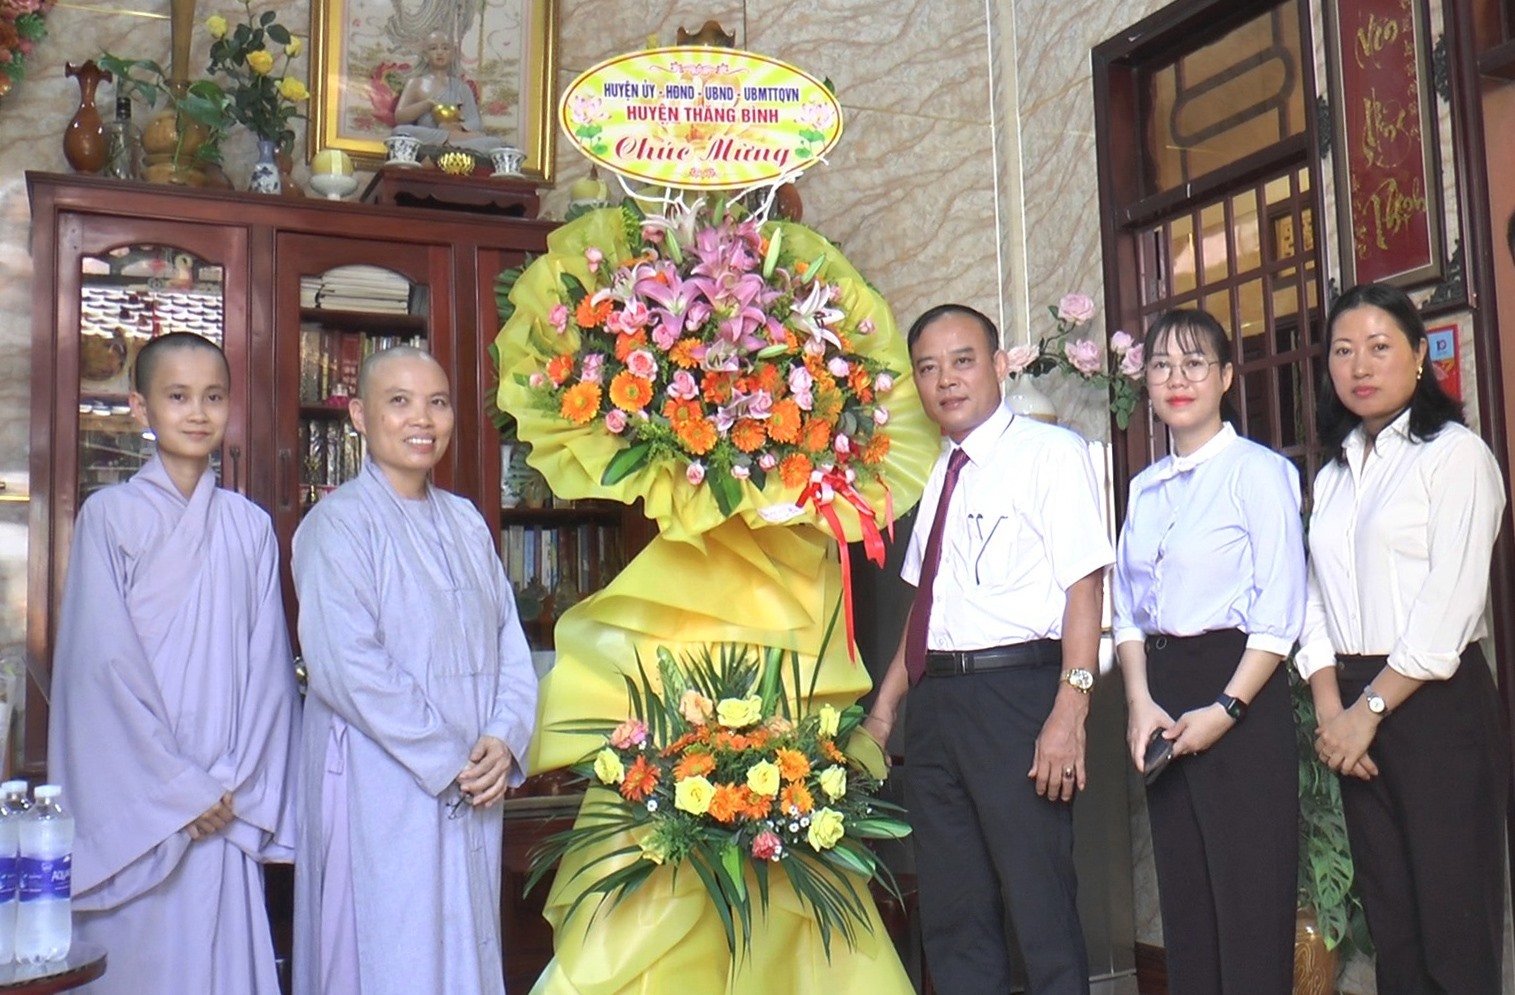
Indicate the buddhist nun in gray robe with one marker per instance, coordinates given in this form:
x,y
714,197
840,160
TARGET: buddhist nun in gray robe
x,y
409,633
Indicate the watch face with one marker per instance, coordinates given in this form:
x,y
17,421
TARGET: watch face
x,y
1080,679
1376,704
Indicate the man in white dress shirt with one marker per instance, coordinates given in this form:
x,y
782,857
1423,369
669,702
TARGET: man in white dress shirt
x,y
998,654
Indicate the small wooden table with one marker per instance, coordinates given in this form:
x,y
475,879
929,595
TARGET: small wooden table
x,y
85,962
424,186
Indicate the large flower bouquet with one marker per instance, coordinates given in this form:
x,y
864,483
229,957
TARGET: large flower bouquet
x,y
1083,358
719,771
21,28
711,346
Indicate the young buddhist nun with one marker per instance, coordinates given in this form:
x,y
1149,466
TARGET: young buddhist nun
x,y
174,717
418,714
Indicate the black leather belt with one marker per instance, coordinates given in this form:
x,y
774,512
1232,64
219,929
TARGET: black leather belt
x,y
1037,653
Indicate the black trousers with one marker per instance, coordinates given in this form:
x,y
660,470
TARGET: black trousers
x,y
1225,828
986,844
1427,834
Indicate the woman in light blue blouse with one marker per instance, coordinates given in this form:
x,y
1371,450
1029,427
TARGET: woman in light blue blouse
x,y
1209,598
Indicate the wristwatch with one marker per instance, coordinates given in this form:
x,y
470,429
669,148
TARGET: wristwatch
x,y
1078,679
1375,701
1234,706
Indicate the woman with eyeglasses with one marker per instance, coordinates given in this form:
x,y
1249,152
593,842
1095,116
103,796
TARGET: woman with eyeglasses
x,y
1402,533
1209,598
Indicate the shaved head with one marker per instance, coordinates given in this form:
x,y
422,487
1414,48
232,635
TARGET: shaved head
x,y
372,363
149,355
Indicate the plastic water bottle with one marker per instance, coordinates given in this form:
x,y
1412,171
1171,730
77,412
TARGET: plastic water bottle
x,y
13,808
44,922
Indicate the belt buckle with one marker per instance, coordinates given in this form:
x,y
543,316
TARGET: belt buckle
x,y
962,662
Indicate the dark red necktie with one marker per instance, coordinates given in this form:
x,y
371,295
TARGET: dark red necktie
x,y
920,610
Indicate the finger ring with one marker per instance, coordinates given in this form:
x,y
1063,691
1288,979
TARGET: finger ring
x,y
1067,771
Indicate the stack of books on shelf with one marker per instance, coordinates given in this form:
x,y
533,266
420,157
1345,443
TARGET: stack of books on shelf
x,y
357,288
331,453
329,361
580,557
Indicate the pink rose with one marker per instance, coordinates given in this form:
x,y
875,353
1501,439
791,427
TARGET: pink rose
x,y
594,367
1022,356
536,380
594,257
695,474
760,404
1132,364
664,336
766,845
880,416
684,386
839,367
1120,342
740,472
558,316
615,421
1077,308
696,708
653,234
1084,356
628,734
768,461
800,380
642,363
841,444
635,315
865,327
883,383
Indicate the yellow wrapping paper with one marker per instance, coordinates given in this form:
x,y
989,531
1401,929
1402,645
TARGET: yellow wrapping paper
x,y
707,578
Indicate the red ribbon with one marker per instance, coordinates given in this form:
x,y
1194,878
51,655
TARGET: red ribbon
x,y
825,486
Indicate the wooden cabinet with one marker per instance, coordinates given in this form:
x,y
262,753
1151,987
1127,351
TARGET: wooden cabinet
x,y
272,279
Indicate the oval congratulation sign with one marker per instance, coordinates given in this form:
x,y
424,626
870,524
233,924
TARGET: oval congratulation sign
x,y
701,118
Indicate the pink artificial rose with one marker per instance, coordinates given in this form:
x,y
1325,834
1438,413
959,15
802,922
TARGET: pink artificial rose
x,y
883,383
880,416
1021,357
629,734
800,380
665,335
865,327
766,845
1084,356
1132,364
760,404
642,363
768,461
695,474
1077,308
841,444
594,257
684,387
558,316
536,380
1120,342
615,421
594,367
653,234
839,367
696,709
740,472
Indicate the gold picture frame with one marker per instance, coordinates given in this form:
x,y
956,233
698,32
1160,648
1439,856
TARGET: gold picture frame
x,y
359,64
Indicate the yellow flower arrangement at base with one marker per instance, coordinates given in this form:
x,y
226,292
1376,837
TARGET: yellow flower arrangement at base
x,y
749,560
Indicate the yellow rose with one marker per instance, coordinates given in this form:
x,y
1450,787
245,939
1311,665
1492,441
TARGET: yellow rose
x,y
292,89
831,720
260,61
216,25
608,767
825,829
763,778
834,782
733,713
693,795
294,47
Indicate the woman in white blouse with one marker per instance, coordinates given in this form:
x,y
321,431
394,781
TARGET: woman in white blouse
x,y
1209,598
1400,541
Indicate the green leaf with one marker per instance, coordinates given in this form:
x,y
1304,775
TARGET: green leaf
x,y
278,33
574,289
727,490
879,829
733,863
625,463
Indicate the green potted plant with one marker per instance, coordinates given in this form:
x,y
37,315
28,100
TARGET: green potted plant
x,y
1331,922
180,142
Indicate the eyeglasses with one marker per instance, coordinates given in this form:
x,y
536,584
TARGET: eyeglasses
x,y
1195,370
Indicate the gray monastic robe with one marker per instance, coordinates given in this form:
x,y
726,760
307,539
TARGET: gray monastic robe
x,y
409,632
172,683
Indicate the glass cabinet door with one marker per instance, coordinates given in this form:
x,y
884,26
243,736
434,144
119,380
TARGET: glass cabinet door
x,y
128,296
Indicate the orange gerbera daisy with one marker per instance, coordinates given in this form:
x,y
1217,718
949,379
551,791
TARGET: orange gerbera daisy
x,y
698,435
793,765
693,765
641,781
754,805
682,353
559,369
861,382
770,379
630,392
716,387
829,750
876,449
591,315
581,402
784,421
795,469
815,437
686,740
679,411
794,798
727,803
625,345
748,435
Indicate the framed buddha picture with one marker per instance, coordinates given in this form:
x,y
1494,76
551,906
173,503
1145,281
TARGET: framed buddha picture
x,y
485,69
